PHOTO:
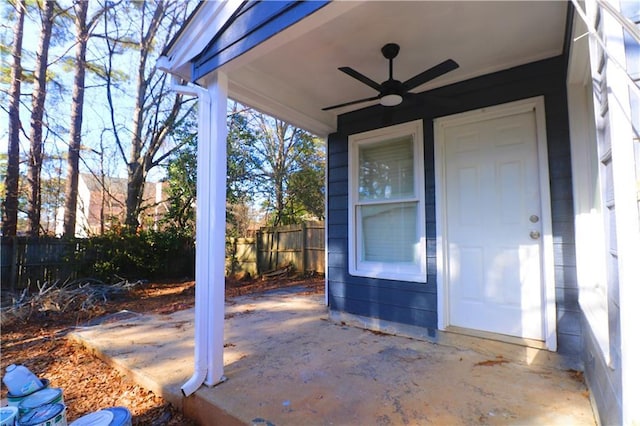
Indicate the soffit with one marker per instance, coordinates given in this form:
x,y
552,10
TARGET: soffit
x,y
294,74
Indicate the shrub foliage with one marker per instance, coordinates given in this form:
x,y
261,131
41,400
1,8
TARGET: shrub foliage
x,y
145,255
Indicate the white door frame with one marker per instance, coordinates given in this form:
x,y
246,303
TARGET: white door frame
x,y
548,304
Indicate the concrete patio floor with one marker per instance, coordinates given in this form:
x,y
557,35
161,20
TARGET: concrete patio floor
x,y
287,364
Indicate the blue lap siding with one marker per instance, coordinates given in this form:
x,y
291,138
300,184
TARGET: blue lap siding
x,y
416,304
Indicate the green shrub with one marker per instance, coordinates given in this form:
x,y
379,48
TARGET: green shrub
x,y
146,255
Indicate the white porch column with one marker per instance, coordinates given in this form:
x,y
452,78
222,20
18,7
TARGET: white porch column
x,y
212,180
210,234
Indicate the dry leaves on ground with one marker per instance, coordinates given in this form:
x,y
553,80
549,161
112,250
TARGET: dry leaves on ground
x,y
87,382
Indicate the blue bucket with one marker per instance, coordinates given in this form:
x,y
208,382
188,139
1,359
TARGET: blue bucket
x,y
121,416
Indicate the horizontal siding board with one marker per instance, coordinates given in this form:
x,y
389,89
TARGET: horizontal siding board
x,y
568,297
335,274
389,297
389,291
431,229
570,344
338,188
338,231
338,159
416,317
563,231
569,322
562,212
337,202
339,145
564,254
565,276
561,189
338,217
560,167
338,260
338,173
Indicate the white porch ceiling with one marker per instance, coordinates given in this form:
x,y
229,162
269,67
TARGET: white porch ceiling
x,y
295,74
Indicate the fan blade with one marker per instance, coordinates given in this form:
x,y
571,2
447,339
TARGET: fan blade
x,y
351,103
361,78
431,73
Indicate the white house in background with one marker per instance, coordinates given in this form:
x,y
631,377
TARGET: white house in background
x,y
498,198
101,205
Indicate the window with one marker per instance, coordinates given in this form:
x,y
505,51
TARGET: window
x,y
386,204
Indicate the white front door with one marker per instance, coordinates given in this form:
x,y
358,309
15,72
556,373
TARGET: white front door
x,y
494,225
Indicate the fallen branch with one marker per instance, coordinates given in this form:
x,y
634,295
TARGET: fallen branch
x,y
76,295
278,272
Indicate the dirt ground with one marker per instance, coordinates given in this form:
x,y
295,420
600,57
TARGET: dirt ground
x,y
88,383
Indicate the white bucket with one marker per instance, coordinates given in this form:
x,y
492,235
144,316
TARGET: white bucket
x,y
15,400
97,418
40,398
8,416
45,415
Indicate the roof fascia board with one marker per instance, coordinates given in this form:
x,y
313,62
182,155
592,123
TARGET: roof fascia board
x,y
251,17
324,15
194,37
279,16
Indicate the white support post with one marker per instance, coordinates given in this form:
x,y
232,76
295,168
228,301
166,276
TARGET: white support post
x,y
210,234
215,185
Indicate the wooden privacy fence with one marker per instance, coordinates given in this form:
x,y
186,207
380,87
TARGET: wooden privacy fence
x,y
300,246
27,261
35,260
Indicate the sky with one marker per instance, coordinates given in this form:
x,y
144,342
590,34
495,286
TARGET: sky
x,y
58,105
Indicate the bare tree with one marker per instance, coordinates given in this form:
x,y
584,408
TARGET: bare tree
x,y
37,113
157,112
10,207
83,29
279,152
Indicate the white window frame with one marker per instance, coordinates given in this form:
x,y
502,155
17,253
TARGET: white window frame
x,y
410,272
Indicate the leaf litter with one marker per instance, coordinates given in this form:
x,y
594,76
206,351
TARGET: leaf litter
x,y
34,328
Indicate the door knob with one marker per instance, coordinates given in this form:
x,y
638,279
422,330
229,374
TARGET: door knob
x,y
534,235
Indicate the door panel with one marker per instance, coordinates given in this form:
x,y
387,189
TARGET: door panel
x,y
492,200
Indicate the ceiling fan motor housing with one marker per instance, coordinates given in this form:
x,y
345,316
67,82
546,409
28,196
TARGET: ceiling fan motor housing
x,y
390,50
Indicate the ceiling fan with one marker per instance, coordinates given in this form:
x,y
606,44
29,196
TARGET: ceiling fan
x,y
392,92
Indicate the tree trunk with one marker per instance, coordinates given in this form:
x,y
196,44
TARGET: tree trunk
x,y
135,189
73,160
37,113
10,207
280,169
136,170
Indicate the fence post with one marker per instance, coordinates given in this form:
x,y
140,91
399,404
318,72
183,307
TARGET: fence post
x,y
234,255
305,242
258,250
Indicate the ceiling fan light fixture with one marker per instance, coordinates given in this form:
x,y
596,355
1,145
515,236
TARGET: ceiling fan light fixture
x,y
391,100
